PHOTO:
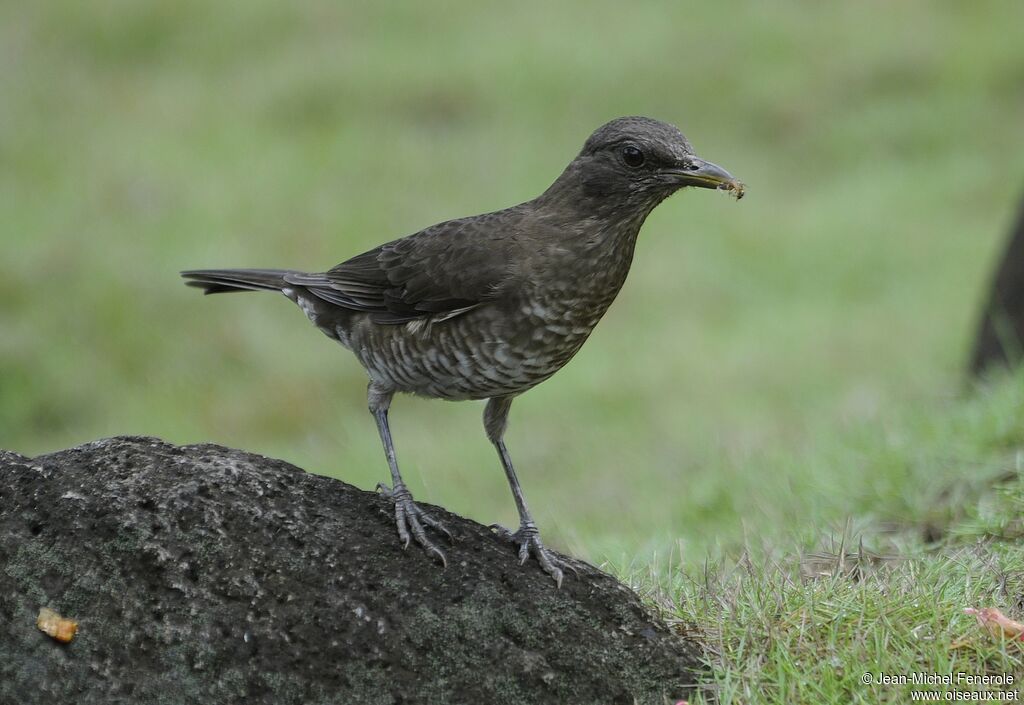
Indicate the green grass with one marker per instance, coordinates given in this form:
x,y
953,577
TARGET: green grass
x,y
884,593
773,372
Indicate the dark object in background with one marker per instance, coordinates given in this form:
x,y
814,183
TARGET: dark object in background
x,y
200,574
489,306
1000,338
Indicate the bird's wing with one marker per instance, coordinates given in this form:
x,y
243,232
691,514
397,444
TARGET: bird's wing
x,y
439,273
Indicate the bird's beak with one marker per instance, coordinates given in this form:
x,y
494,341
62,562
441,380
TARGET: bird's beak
x,y
707,175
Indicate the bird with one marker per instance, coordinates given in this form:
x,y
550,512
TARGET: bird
x,y
489,306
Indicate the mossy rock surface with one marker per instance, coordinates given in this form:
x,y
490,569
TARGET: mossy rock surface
x,y
201,574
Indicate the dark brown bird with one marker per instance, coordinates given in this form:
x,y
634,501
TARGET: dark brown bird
x,y
489,306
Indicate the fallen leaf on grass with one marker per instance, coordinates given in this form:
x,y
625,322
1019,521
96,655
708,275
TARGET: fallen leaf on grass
x,y
52,624
997,623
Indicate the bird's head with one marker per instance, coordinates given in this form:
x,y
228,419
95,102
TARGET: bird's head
x,y
637,162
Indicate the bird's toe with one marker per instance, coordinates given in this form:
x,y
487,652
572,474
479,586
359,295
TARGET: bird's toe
x,y
410,520
527,539
502,532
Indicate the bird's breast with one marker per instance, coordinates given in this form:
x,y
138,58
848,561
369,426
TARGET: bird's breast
x,y
574,287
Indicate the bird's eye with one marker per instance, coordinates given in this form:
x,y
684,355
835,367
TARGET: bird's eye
x,y
632,156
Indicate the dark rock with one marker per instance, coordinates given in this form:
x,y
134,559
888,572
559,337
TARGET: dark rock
x,y
1000,338
200,574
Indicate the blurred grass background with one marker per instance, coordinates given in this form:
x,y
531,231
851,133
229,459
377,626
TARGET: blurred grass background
x,y
753,344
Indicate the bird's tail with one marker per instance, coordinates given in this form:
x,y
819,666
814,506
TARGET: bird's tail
x,y
216,281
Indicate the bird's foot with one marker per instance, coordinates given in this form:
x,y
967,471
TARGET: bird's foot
x,y
527,538
410,520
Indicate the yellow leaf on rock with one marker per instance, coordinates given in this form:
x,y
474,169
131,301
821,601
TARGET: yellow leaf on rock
x,y
52,624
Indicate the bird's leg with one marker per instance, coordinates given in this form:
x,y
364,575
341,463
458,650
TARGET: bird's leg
x,y
527,537
408,517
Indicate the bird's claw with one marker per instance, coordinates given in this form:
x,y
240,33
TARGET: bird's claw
x,y
410,519
527,538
